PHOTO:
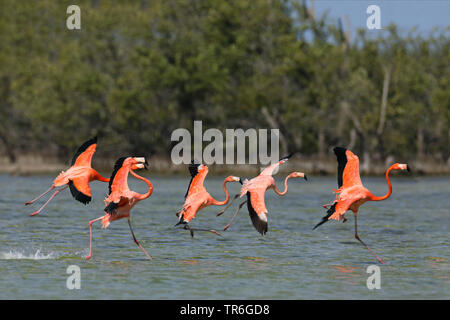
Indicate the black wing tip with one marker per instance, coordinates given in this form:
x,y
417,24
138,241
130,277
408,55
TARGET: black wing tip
x,y
287,157
78,195
117,165
193,167
342,162
111,207
260,225
339,150
193,170
329,214
83,148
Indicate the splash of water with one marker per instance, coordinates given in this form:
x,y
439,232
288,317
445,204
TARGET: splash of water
x,y
16,254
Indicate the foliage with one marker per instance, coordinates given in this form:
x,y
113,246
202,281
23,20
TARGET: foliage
x,y
137,70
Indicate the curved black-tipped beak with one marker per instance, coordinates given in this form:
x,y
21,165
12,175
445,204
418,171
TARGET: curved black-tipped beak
x,y
408,168
240,181
305,177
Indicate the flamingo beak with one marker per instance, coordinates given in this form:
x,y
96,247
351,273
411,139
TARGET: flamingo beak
x,y
404,166
237,179
142,163
302,175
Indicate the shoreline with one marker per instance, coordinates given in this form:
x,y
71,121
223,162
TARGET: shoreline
x,y
34,165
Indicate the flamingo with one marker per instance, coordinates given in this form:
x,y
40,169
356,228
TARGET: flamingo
x,y
351,193
120,198
77,177
198,198
255,190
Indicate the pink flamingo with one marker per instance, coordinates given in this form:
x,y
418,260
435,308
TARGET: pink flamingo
x,y
197,198
351,193
255,190
77,177
121,199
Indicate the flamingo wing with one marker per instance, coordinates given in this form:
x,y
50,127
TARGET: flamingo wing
x,y
336,211
348,168
113,203
269,170
192,205
84,154
193,170
79,187
257,210
113,182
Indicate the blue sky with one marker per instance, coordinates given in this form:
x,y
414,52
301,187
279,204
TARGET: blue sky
x,y
424,14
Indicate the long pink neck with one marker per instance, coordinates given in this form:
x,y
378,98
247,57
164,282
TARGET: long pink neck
x,y
96,176
150,186
285,186
227,196
388,194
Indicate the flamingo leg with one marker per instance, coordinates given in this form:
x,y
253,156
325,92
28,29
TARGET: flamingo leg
x,y
90,237
228,205
48,201
137,242
40,196
188,227
234,216
357,237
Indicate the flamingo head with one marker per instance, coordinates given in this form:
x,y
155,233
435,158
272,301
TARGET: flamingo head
x,y
400,166
233,178
136,163
202,168
299,175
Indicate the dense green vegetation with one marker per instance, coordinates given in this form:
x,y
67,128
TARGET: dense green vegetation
x,y
137,70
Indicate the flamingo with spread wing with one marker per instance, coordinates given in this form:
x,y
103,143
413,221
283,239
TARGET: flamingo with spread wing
x,y
77,177
351,193
121,199
255,190
198,198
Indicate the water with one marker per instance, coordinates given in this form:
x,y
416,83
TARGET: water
x,y
409,231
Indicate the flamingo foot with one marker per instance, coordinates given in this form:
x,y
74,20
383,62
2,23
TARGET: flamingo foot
x,y
88,257
34,213
28,203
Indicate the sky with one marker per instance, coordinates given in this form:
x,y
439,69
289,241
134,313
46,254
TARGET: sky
x,y
406,14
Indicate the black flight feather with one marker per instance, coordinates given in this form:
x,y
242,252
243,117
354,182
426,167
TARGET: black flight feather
x,y
111,207
329,213
117,166
83,148
78,195
342,162
193,170
286,157
260,225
